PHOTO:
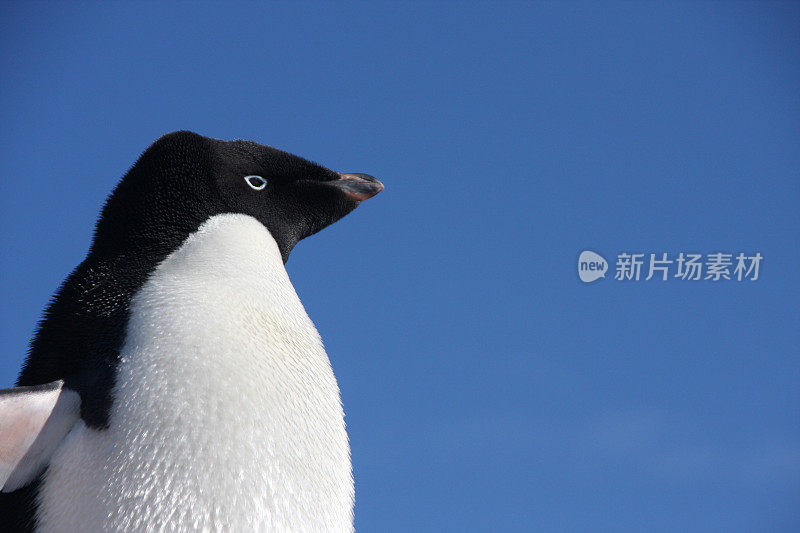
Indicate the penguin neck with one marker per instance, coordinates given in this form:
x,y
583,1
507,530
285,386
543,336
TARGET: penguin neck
x,y
223,392
154,209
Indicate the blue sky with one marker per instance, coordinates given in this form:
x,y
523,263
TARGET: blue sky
x,y
486,387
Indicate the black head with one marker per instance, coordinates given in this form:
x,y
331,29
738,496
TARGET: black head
x,y
184,178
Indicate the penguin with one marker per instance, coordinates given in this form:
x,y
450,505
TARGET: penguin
x,y
175,382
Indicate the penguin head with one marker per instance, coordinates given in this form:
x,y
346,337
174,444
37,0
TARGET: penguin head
x,y
292,197
185,178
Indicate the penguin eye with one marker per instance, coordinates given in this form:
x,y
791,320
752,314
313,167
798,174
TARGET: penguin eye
x,y
256,182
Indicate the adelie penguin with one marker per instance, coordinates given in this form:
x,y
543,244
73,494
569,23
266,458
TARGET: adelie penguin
x,y
175,382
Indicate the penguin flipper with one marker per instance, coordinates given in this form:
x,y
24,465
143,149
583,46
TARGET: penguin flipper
x,y
33,422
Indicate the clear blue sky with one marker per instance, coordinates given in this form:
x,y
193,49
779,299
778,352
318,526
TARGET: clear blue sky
x,y
486,387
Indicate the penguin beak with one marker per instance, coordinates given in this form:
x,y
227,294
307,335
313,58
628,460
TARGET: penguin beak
x,y
358,187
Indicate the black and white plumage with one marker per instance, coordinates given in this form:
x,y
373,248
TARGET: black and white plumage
x,y
188,389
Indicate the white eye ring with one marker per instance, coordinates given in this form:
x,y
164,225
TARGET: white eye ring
x,y
255,182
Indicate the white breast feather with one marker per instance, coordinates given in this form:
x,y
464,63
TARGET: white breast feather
x,y
227,416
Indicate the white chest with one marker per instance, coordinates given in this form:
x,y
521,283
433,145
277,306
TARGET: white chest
x,y
227,416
